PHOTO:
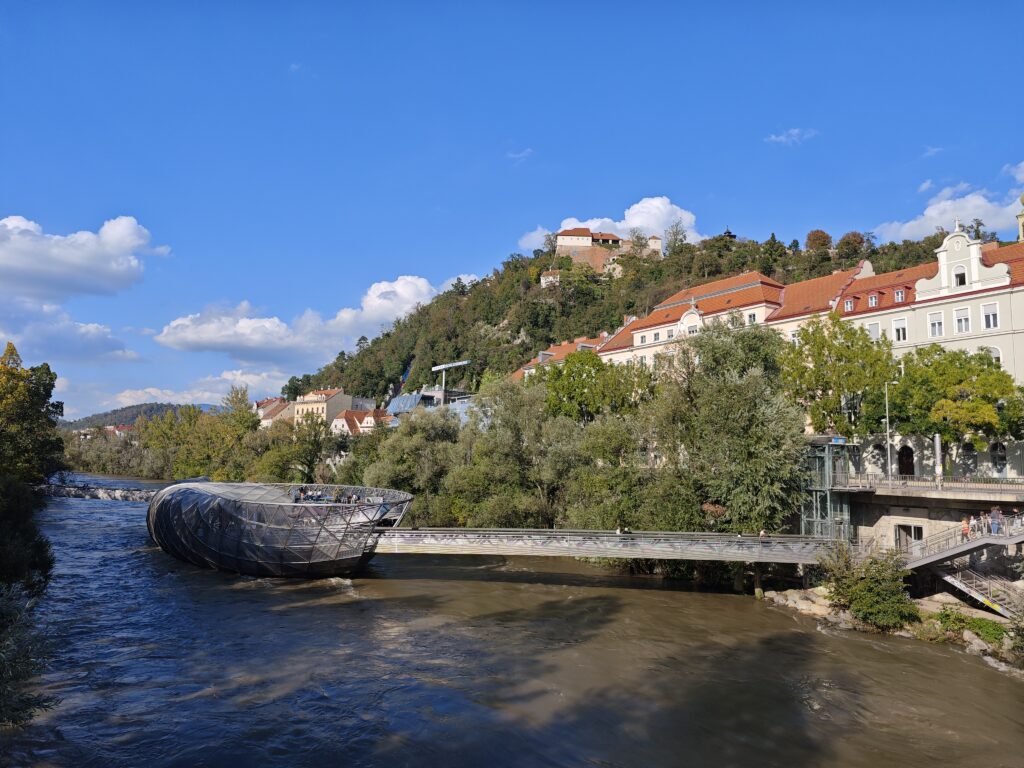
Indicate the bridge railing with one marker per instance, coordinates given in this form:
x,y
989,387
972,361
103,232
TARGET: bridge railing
x,y
873,481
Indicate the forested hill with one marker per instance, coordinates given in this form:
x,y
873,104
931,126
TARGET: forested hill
x,y
127,415
502,320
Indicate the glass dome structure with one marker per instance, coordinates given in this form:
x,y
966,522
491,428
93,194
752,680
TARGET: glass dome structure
x,y
267,529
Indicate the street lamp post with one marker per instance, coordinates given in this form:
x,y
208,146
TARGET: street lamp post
x,y
888,436
444,370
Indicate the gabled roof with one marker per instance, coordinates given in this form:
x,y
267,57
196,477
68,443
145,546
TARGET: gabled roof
x,y
813,296
734,283
576,232
621,339
719,303
556,353
884,287
274,410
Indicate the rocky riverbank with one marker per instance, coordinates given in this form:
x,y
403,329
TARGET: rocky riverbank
x,y
998,652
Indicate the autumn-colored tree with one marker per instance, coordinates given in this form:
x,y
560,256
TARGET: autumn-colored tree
x,y
818,240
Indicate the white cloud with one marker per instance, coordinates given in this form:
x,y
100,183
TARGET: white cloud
x,y
62,384
1017,171
520,155
653,215
948,204
210,389
533,239
925,185
247,336
294,67
468,278
792,136
931,151
55,267
46,332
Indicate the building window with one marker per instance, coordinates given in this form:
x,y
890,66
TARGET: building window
x,y
899,330
657,335
643,339
959,277
692,330
848,305
751,318
900,296
935,324
873,300
969,457
873,331
671,333
994,353
990,313
793,336
997,451
963,320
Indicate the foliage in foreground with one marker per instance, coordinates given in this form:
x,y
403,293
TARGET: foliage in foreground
x,y
30,450
872,589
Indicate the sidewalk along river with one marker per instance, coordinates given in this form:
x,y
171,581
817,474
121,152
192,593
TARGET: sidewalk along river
x,y
469,661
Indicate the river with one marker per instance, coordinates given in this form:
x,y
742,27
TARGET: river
x,y
473,661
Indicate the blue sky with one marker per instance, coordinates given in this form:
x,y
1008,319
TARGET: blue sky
x,y
281,178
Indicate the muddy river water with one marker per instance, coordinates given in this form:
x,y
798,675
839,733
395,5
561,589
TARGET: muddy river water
x,y
473,661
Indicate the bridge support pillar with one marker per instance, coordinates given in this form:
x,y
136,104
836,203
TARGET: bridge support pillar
x,y
758,591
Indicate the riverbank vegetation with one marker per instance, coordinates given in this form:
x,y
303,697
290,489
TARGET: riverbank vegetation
x,y
30,451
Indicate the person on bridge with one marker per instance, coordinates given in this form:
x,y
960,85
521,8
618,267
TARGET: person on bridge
x,y
965,529
997,519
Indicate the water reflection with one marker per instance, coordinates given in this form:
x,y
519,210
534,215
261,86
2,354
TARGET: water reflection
x,y
472,661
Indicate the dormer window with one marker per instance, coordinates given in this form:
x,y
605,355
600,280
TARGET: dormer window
x,y
848,305
959,277
643,339
873,300
900,296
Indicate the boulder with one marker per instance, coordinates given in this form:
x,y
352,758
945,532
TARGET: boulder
x,y
974,643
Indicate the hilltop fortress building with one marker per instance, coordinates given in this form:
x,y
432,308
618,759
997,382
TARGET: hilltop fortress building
x,y
600,250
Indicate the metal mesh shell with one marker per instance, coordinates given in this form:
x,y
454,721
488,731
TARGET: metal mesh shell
x,y
266,530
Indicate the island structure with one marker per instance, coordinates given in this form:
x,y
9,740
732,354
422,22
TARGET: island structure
x,y
269,529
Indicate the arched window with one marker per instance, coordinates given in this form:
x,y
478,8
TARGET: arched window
x,y
969,456
997,451
995,353
959,277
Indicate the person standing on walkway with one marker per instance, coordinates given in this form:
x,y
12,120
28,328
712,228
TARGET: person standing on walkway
x,y
965,529
972,530
997,519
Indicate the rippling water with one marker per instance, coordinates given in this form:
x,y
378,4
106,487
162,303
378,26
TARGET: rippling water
x,y
477,662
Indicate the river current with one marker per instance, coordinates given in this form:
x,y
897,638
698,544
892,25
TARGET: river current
x,y
473,661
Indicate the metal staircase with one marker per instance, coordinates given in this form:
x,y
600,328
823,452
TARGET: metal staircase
x,y
992,591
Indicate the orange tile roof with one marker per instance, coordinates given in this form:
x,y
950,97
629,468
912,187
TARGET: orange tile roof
x,y
730,301
267,401
606,236
558,352
742,280
884,286
275,409
622,338
326,392
576,232
812,296
1012,256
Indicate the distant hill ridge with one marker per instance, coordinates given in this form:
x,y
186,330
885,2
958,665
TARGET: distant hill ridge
x,y
126,415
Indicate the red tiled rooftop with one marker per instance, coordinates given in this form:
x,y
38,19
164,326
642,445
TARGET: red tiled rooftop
x,y
811,296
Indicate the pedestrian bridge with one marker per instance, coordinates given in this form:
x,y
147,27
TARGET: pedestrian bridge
x,y
543,542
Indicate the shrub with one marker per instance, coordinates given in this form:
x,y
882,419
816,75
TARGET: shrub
x,y
952,620
22,655
872,589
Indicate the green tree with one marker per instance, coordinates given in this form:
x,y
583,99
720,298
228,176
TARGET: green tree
x,y
314,444
726,425
31,449
773,254
832,366
958,395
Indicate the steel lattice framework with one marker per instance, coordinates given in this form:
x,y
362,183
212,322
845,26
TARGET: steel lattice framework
x,y
273,529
